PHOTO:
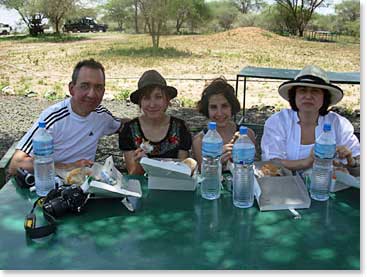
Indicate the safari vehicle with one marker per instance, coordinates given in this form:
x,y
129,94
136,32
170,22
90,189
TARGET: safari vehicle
x,y
85,24
5,29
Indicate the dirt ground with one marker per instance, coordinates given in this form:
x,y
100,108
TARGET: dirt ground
x,y
45,68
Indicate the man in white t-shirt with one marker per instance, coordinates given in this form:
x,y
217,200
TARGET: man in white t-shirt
x,y
76,123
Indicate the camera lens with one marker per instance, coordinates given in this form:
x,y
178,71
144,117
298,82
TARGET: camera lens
x,y
29,179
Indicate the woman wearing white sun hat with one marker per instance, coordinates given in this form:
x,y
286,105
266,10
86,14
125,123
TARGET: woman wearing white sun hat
x,y
289,135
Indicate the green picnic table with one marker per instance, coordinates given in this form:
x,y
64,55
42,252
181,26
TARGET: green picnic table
x,y
287,74
178,230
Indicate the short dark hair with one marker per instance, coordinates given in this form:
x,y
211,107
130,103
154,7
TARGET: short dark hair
x,y
218,86
91,63
325,105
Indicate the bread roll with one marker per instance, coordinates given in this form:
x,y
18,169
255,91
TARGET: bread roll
x,y
77,175
146,146
271,170
191,163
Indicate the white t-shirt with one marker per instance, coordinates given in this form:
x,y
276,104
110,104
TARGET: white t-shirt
x,y
75,137
282,135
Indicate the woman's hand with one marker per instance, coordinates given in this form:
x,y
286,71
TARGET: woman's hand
x,y
344,152
308,162
227,152
138,154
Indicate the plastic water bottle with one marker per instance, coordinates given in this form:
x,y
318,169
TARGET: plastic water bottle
x,y
243,154
324,150
211,167
44,168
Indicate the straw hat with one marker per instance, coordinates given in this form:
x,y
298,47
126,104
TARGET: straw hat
x,y
152,78
312,76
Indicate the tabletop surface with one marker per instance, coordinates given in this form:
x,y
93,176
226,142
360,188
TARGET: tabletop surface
x,y
288,74
180,230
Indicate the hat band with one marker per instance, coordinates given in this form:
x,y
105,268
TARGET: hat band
x,y
308,78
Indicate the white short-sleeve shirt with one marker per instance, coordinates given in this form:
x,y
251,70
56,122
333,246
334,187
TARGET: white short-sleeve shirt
x,y
282,135
75,137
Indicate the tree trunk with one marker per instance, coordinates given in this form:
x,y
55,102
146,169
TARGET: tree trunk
x,y
57,23
178,26
136,17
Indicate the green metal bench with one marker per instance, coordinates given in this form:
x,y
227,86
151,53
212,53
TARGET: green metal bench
x,y
287,74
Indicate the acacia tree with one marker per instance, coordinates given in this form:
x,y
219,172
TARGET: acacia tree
x,y
300,11
155,13
27,10
245,6
57,10
180,11
348,17
35,10
187,11
119,11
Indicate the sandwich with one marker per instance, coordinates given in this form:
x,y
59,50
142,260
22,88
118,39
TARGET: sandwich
x,y
146,146
191,163
269,169
77,176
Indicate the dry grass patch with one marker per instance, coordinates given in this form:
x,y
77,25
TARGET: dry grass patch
x,y
126,57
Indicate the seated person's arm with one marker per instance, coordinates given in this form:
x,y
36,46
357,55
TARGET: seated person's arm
x,y
196,148
123,121
70,166
20,159
132,159
344,152
183,154
297,164
251,134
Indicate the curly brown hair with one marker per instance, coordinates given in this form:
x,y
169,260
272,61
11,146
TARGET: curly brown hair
x,y
218,86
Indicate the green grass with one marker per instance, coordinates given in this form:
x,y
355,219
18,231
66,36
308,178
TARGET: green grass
x,y
187,102
122,95
4,82
60,38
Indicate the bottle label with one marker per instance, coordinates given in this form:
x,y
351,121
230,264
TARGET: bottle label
x,y
325,151
43,148
246,155
213,149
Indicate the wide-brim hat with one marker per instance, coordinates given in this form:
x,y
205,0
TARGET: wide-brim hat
x,y
312,76
152,78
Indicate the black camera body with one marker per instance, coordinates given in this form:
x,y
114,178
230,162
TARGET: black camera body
x,y
24,178
64,199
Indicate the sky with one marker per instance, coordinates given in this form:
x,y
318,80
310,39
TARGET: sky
x,y
11,17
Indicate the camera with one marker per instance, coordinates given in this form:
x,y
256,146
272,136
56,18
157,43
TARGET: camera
x,y
64,199
24,178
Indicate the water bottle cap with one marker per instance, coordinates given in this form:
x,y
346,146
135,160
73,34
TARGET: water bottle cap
x,y
243,130
327,127
42,124
212,125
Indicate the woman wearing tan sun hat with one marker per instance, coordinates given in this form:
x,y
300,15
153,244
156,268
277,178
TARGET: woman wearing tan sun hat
x,y
289,135
154,133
